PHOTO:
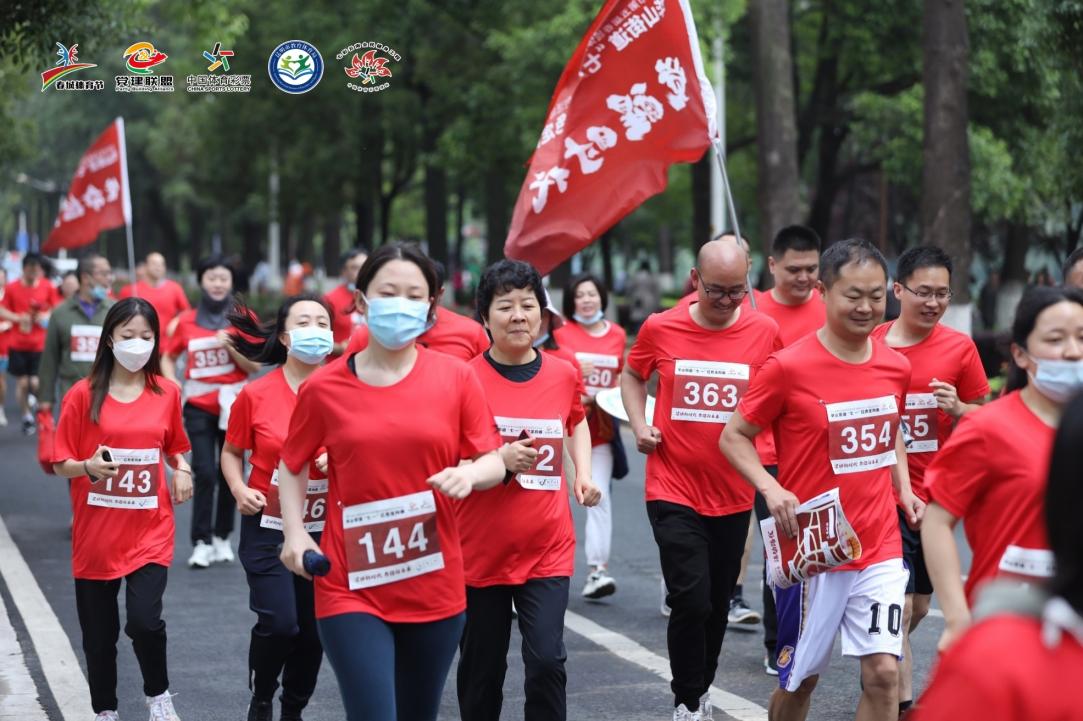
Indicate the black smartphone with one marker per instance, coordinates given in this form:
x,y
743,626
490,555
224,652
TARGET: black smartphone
x,y
106,456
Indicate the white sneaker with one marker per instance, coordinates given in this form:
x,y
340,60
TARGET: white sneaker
x,y
3,419
223,552
161,708
681,713
202,555
665,606
599,585
706,710
107,716
32,401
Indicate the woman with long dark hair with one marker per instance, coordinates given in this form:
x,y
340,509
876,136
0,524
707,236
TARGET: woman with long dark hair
x,y
116,428
991,473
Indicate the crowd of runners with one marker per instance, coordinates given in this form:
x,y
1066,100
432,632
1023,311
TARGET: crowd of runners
x,y
404,475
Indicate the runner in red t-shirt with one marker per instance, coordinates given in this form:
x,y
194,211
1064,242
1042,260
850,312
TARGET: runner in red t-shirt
x,y
834,399
1021,660
705,355
396,421
991,473
165,295
116,428
518,538
599,346
344,315
285,635
5,331
947,380
213,376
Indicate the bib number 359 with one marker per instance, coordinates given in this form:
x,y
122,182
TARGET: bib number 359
x,y
391,540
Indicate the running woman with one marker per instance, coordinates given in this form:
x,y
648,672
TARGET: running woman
x,y
991,473
284,640
214,374
116,428
344,316
599,347
834,399
705,354
518,539
397,422
947,381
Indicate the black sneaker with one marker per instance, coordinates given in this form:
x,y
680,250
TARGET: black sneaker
x,y
260,710
29,426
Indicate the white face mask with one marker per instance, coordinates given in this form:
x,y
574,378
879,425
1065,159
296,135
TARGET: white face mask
x,y
133,353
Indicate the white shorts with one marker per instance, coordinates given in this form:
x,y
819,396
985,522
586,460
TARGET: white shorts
x,y
866,606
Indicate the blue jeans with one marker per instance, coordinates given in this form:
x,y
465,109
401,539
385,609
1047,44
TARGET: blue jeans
x,y
390,671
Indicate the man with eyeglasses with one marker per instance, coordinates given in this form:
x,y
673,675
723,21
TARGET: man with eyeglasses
x,y
705,354
71,340
947,381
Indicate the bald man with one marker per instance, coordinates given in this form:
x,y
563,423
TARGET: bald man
x,y
165,295
704,354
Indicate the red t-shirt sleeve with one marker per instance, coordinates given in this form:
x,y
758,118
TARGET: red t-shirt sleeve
x,y
762,404
578,412
181,299
176,343
477,429
74,415
481,340
306,433
8,301
125,291
973,384
642,359
957,474
176,440
239,432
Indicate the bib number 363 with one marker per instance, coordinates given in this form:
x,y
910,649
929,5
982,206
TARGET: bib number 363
x,y
861,434
391,540
134,487
707,391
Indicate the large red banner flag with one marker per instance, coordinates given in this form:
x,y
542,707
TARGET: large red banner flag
x,y
632,101
98,197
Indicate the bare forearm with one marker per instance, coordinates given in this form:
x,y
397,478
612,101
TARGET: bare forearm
x,y
488,470
291,495
580,449
232,465
900,472
633,393
740,451
69,469
942,559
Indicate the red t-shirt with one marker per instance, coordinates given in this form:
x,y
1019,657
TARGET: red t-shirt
x,y
523,529
949,356
836,425
168,299
396,534
208,360
992,474
606,352
702,375
344,317
1002,670
18,298
123,523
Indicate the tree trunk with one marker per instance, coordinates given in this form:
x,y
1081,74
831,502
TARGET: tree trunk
x,y
701,200
332,241
776,117
252,235
436,209
497,217
945,196
370,179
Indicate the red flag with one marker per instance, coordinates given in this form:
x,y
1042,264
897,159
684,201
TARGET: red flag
x,y
98,197
632,101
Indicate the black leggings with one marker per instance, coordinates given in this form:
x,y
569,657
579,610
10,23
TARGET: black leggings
x,y
99,619
207,441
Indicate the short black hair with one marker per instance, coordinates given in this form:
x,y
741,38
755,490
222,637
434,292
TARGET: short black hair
x,y
1075,257
573,285
214,261
86,265
922,256
795,237
504,276
857,251
350,255
33,258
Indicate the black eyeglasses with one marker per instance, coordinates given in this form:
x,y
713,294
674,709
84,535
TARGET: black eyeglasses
x,y
717,293
940,295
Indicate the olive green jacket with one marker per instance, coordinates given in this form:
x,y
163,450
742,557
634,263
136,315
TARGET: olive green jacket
x,y
64,362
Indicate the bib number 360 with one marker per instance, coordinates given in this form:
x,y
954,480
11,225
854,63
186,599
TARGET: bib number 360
x,y
391,540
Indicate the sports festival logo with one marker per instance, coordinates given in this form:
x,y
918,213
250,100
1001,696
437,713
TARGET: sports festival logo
x,y
66,65
368,67
219,82
142,58
295,67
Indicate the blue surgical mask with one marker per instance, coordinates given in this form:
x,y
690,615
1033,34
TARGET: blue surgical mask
x,y
540,340
1058,380
590,319
351,287
395,322
311,344
99,293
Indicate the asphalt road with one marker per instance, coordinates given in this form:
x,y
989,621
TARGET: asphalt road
x,y
208,620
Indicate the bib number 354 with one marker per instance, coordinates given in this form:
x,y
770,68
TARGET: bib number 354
x,y
861,434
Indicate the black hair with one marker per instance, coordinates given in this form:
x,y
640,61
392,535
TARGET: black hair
x,y
795,237
441,273
1070,262
409,252
573,286
1063,499
214,261
350,255
86,266
102,369
266,348
1035,300
856,251
504,276
922,256
33,258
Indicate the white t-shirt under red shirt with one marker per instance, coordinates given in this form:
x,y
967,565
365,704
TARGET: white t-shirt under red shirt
x,y
208,360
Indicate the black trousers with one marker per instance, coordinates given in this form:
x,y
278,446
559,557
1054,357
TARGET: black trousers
x,y
770,616
208,512
701,559
99,619
285,640
483,651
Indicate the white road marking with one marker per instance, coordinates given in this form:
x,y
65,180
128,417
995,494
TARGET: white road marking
x,y
20,696
628,650
58,662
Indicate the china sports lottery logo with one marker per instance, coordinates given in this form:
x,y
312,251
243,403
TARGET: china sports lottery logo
x,y
295,67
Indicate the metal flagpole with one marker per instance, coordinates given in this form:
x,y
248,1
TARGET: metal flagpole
x,y
718,154
126,202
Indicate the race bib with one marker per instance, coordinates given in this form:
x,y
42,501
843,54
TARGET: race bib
x,y
314,511
707,391
1027,562
861,434
208,358
548,434
135,486
392,540
605,373
921,417
84,342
